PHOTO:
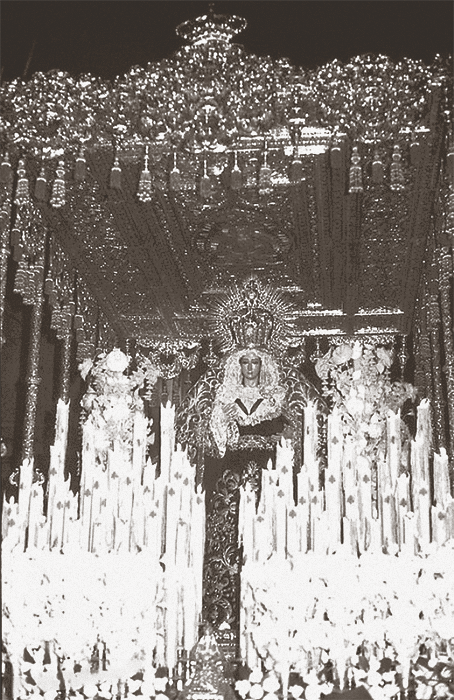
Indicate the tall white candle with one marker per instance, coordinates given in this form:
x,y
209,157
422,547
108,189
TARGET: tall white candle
x,y
284,469
167,439
333,478
442,486
310,444
281,522
25,488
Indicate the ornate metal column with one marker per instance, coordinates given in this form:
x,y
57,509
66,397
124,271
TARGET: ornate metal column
x,y
65,367
27,472
6,188
437,394
445,273
33,378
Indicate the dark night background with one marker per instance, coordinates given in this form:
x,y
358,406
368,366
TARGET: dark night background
x,y
108,37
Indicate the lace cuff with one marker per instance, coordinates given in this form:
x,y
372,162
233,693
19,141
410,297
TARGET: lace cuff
x,y
219,425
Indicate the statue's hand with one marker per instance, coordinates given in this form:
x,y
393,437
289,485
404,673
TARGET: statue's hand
x,y
288,432
230,411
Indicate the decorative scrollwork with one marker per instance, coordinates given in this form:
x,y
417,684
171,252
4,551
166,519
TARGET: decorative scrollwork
x,y
192,418
222,555
169,357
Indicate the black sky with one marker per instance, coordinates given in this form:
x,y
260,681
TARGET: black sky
x,y
107,37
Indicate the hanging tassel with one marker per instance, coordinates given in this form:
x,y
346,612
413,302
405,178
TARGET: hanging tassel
x,y
6,171
236,176
58,197
115,175
17,242
48,285
80,169
41,186
18,252
66,318
397,175
355,176
378,169
15,238
90,349
296,167
415,151
25,284
144,191
53,298
71,307
81,352
22,189
78,321
29,287
205,182
20,279
265,173
55,319
336,156
175,175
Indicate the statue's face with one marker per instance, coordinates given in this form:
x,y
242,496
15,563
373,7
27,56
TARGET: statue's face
x,y
250,366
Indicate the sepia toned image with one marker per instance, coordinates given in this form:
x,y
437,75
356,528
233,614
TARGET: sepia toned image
x,y
227,333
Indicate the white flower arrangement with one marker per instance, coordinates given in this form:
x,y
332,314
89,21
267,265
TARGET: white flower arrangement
x,y
113,396
357,380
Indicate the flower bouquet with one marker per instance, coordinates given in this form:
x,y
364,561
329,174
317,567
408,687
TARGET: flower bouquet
x,y
113,396
356,378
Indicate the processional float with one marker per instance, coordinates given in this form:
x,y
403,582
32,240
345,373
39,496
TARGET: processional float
x,y
106,585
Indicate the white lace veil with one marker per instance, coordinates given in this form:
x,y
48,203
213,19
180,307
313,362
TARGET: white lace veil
x,y
232,387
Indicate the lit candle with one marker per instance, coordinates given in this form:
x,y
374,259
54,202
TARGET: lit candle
x,y
25,488
310,444
421,487
442,488
281,525
36,513
403,504
409,532
284,469
333,478
167,439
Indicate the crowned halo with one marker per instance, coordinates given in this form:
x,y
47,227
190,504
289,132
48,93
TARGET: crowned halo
x,y
252,314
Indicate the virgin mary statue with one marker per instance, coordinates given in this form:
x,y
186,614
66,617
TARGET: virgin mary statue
x,y
230,423
248,417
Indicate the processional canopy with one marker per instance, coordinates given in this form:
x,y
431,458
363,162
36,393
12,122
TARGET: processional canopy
x,y
152,194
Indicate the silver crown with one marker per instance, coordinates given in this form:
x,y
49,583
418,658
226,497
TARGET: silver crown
x,y
252,325
211,27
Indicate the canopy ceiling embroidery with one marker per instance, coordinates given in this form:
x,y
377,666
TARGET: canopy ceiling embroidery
x,y
182,177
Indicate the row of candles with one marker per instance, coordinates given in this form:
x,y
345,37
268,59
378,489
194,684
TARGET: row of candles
x,y
122,506
350,514
355,508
